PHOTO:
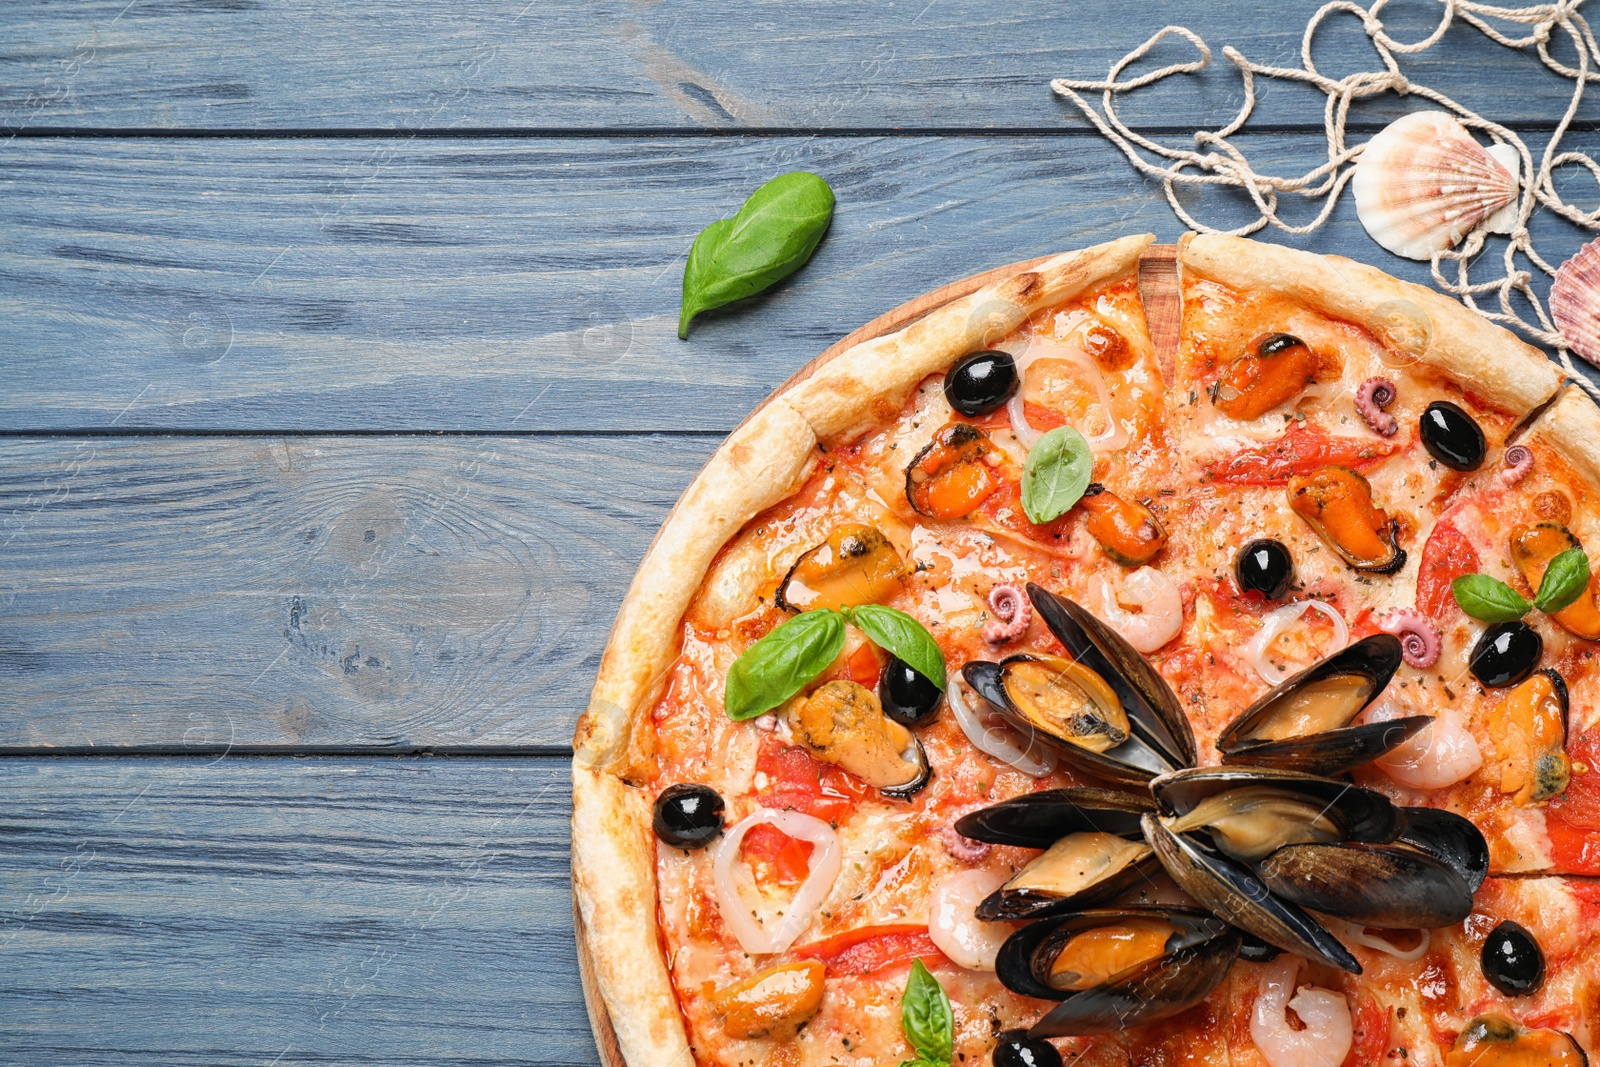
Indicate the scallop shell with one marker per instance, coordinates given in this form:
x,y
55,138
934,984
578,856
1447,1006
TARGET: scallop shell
x,y
1575,302
1423,184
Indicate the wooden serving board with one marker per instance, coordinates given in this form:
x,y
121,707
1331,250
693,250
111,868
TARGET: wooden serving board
x,y
1158,282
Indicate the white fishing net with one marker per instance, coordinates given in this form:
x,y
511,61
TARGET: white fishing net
x,y
1219,161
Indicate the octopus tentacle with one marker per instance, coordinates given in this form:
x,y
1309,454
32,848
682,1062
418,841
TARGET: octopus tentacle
x,y
1012,613
1419,637
1519,461
1374,395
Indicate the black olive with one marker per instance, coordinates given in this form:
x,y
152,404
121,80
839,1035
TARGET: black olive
x,y
688,816
981,382
1265,566
1255,950
1513,961
1269,345
1017,1049
1506,654
907,697
1452,436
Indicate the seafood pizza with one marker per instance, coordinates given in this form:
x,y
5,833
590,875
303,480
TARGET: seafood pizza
x,y
1155,656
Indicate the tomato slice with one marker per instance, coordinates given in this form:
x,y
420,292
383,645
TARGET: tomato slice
x,y
798,782
863,666
1003,509
1573,818
872,949
1298,451
1446,556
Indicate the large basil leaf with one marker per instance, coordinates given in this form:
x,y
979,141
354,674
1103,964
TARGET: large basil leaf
x,y
1488,598
770,238
1056,474
1564,581
926,1017
779,665
903,637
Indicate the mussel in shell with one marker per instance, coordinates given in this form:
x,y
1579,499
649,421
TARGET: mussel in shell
x,y
1495,1041
842,723
1116,968
1039,820
1250,813
1304,724
1375,885
1103,708
1080,870
1336,502
1447,836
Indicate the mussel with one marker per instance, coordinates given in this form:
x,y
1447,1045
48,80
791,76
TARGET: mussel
x,y
1449,837
1375,885
1529,728
1532,549
1276,368
1128,531
1103,708
842,723
1304,724
953,475
855,564
1495,1041
1250,813
1039,820
1116,968
1336,502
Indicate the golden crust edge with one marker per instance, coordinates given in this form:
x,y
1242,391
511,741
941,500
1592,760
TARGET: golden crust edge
x,y
759,464
1460,344
1571,426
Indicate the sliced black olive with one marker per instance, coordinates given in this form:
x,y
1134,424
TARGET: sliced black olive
x,y
1506,654
1452,436
1017,1049
1265,566
907,697
688,816
981,382
1513,962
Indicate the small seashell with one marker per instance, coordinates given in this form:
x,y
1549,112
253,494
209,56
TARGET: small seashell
x,y
1423,184
1575,301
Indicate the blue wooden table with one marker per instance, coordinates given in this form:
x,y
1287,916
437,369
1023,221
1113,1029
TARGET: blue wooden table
x,y
340,395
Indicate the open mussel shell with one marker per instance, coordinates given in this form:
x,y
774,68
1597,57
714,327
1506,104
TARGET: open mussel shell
x,y
1234,893
1039,820
1156,737
1304,724
1078,871
1387,886
1448,837
1264,808
1106,980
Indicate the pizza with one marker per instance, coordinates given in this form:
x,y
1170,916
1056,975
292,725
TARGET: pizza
x,y
1152,655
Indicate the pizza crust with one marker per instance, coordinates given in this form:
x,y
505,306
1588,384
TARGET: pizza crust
x,y
1460,344
760,464
1571,426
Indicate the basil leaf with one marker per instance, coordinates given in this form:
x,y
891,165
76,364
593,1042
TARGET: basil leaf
x,y
903,637
925,1016
1056,474
1564,581
770,238
1488,598
779,665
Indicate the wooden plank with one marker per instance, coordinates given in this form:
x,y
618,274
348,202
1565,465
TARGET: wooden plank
x,y
492,285
624,63
288,911
305,594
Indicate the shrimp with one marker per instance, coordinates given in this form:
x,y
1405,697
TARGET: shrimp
x,y
1441,754
955,930
1160,614
1327,1035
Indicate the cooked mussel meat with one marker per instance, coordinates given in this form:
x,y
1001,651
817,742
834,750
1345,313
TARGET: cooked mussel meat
x,y
954,474
1115,968
1250,813
1532,549
1304,724
1039,820
1336,502
854,565
1495,1041
842,723
1276,368
1387,886
1448,837
1128,531
1529,727
1064,699
1077,871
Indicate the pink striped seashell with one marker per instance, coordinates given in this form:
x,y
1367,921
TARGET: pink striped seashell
x,y
1423,184
1575,301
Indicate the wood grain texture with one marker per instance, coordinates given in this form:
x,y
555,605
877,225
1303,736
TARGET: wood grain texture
x,y
615,64
288,911
501,285
227,594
